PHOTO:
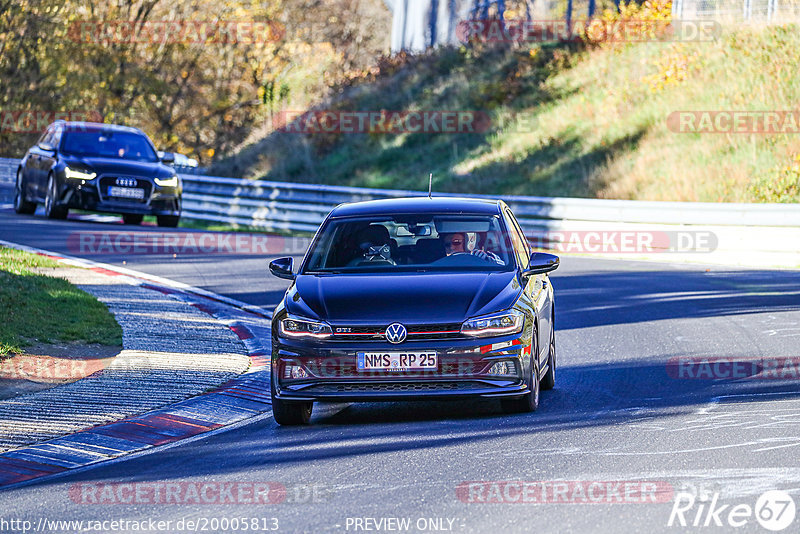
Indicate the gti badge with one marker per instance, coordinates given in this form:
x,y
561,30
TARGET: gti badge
x,y
396,333
126,182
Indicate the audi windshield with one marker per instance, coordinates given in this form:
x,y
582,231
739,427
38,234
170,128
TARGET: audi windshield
x,y
410,243
108,144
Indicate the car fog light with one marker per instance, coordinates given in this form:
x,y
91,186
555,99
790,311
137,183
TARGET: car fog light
x,y
294,371
503,368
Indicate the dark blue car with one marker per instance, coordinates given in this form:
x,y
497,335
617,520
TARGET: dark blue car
x,y
98,167
414,298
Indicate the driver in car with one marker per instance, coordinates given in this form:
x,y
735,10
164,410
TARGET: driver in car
x,y
456,243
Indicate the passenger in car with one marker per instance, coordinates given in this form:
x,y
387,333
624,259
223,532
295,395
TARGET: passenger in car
x,y
374,245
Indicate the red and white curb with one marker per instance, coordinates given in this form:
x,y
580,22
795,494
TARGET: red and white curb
x,y
239,401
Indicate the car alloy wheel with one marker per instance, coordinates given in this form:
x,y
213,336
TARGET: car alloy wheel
x,y
21,205
48,199
51,211
549,379
290,413
530,401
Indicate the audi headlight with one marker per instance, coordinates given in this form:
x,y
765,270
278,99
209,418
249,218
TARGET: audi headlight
x,y
78,175
297,327
497,324
172,181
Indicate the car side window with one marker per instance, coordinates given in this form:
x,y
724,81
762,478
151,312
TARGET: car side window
x,y
526,245
56,139
45,141
517,240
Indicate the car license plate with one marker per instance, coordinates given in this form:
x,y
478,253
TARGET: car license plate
x,y
125,192
395,361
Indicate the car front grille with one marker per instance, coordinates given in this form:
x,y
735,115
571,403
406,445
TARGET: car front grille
x,y
106,181
415,332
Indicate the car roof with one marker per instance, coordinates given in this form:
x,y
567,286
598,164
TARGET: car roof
x,y
421,204
77,126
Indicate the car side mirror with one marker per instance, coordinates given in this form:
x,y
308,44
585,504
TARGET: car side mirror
x,y
282,268
541,262
168,157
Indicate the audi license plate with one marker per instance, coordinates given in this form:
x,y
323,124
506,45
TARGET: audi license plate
x,y
125,192
395,361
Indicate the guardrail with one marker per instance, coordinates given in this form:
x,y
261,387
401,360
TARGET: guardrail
x,y
299,207
296,206
8,169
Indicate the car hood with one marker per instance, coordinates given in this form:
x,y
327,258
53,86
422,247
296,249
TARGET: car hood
x,y
118,166
414,298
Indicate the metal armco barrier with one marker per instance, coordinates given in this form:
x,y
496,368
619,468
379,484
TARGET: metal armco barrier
x,y
8,170
296,206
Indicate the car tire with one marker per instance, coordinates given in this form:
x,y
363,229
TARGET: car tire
x,y
290,413
169,221
530,401
21,204
549,379
132,218
51,210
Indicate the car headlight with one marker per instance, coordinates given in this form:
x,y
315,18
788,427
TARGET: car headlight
x,y
78,175
172,181
509,322
297,327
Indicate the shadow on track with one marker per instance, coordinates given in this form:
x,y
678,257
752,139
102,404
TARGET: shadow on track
x,y
607,298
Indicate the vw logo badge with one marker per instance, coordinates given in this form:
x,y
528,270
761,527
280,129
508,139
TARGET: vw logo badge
x,y
396,333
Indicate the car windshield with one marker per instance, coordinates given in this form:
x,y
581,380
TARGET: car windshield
x,y
411,243
108,144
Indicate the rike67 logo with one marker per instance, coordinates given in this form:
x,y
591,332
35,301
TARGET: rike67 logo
x,y
774,510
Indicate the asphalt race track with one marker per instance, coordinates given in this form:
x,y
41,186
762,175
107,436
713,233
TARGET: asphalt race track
x,y
622,412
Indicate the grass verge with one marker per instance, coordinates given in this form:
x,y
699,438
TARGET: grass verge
x,y
44,309
211,226
566,121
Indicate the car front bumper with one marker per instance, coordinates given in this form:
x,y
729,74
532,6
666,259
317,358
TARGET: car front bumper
x,y
87,196
462,370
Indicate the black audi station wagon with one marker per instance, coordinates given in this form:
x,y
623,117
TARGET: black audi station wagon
x,y
98,167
